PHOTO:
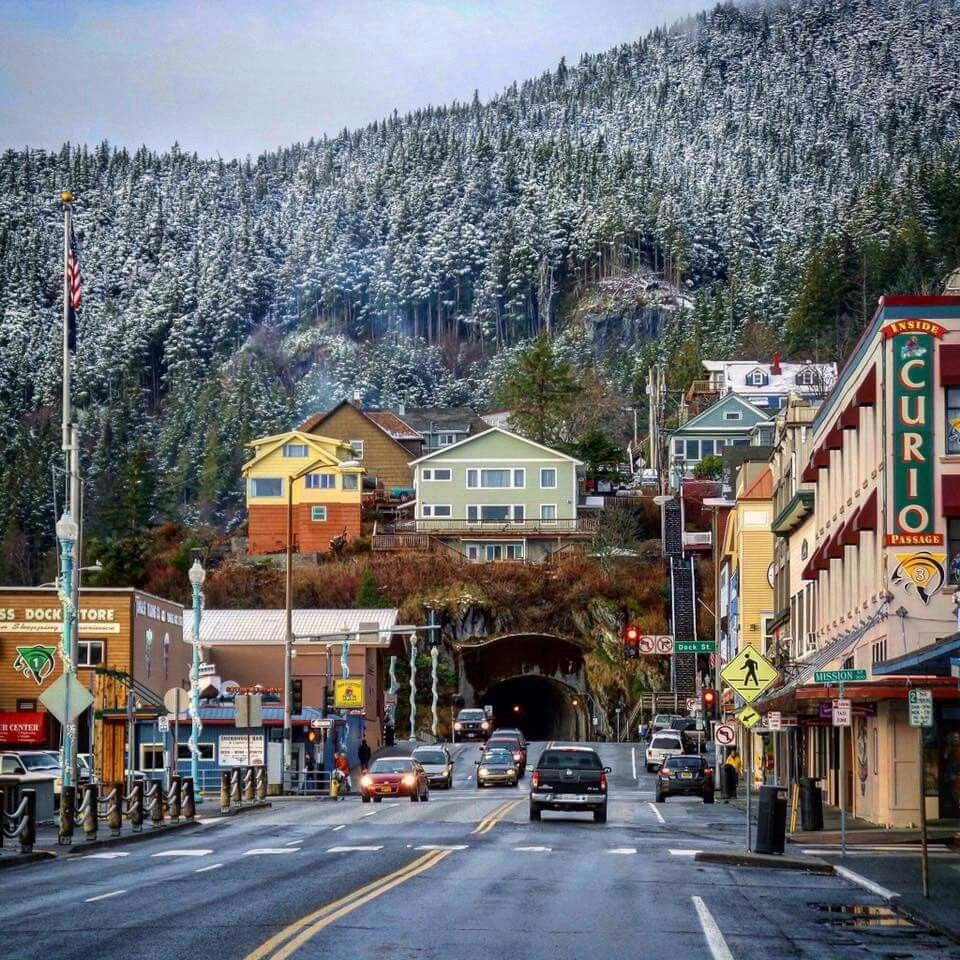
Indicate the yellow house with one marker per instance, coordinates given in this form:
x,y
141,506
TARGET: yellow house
x,y
321,478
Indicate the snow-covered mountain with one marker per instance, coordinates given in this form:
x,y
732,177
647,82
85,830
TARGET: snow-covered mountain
x,y
215,291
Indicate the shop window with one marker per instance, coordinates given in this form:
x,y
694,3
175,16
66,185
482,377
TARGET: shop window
x,y
953,549
206,751
89,653
952,430
152,757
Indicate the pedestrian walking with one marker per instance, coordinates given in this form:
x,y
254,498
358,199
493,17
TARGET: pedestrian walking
x,y
732,769
343,771
364,753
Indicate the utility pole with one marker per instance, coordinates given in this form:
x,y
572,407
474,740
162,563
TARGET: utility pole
x,y
288,639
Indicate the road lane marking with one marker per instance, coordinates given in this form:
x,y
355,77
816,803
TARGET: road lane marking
x,y
266,851
534,849
342,825
711,932
684,853
103,896
633,761
371,813
626,851
483,822
494,818
442,846
183,853
656,812
292,843
306,927
354,849
213,866
104,856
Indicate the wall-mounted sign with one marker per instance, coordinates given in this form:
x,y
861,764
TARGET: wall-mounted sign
x,y
238,750
23,727
921,573
347,694
913,445
37,662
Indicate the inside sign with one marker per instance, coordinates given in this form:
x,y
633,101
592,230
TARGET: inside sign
x,y
774,720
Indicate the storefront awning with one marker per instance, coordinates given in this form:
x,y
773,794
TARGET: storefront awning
x,y
950,489
931,661
866,519
850,418
949,364
866,395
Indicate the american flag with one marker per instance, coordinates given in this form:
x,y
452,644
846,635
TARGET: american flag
x,y
75,295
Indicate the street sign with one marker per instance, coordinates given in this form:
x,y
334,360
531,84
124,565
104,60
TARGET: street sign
x,y
389,700
841,713
921,707
319,724
749,717
55,696
163,725
175,700
695,646
646,644
725,734
347,694
774,720
691,704
664,644
749,673
839,676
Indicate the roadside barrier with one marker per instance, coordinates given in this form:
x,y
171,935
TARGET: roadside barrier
x,y
67,809
135,806
174,795
188,799
21,823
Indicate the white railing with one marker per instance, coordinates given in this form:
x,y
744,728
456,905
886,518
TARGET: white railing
x,y
697,539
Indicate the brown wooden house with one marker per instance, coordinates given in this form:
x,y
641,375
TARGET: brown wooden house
x,y
382,442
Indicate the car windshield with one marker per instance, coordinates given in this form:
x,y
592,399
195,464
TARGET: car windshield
x,y
503,744
472,715
39,761
391,766
662,720
516,734
429,756
559,759
665,743
496,756
684,763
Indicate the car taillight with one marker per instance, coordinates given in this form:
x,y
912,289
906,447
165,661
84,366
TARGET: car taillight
x,y
603,781
665,774
535,779
708,772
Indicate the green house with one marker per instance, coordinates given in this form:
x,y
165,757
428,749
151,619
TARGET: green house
x,y
497,496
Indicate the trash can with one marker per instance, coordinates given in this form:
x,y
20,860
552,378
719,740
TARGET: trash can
x,y
811,804
771,819
728,780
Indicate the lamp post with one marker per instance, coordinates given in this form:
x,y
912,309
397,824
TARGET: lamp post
x,y
413,686
67,534
197,575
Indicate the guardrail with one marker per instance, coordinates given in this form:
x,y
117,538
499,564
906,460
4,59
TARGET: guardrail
x,y
309,783
505,527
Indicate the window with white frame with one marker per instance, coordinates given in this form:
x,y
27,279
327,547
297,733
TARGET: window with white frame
x,y
89,653
501,478
548,512
294,449
502,551
318,514
733,415
757,378
350,481
266,487
438,473
152,757
807,377
473,552
495,512
446,439
205,749
437,510
321,481
548,478
678,447
356,447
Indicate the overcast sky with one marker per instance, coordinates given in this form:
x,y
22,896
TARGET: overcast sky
x,y
236,78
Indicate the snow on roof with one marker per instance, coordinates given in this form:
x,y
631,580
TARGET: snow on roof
x,y
735,373
393,425
269,626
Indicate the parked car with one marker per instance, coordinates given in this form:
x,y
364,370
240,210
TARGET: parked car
x,y
471,724
437,764
21,763
666,743
689,776
497,766
510,743
394,777
569,778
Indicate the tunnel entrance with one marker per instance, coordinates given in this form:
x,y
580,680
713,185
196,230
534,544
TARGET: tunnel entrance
x,y
540,707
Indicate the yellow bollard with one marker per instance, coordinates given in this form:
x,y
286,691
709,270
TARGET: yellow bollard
x,y
334,786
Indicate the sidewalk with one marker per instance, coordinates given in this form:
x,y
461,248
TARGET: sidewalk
x,y
861,831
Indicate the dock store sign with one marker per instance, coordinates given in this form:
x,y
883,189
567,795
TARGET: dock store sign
x,y
913,442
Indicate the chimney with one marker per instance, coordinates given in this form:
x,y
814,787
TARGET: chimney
x,y
402,407
775,366
356,398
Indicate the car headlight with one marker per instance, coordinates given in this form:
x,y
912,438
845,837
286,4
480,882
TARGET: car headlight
x,y
409,779
511,772
458,726
484,725
366,780
484,771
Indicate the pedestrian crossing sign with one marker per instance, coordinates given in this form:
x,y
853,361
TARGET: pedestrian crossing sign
x,y
749,717
749,674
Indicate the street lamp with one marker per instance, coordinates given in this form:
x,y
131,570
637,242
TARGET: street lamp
x,y
67,533
197,575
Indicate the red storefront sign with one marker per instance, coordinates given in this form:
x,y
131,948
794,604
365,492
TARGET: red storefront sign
x,y
23,728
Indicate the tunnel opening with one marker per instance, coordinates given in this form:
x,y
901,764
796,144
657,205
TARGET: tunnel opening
x,y
542,708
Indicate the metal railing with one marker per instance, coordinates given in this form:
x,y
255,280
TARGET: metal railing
x,y
310,783
691,539
505,527
21,822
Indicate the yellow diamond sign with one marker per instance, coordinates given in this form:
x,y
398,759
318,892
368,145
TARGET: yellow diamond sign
x,y
749,717
749,673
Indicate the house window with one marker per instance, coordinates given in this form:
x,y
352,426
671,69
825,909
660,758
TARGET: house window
x,y
473,478
494,479
266,487
518,513
548,512
678,448
294,449
757,379
321,481
706,448
437,510
693,450
953,415
953,548
501,513
548,478
152,757
732,415
350,481
520,478
356,447
473,552
807,378
318,514
89,653
439,473
206,752
446,439
503,551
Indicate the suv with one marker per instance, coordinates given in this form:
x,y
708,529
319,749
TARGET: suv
x,y
21,763
471,724
690,776
569,778
663,744
662,721
504,740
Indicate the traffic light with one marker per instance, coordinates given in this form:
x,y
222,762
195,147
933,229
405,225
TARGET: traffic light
x,y
710,703
631,637
296,697
328,699
312,736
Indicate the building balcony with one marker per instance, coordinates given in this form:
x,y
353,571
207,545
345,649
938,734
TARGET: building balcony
x,y
697,541
581,526
700,387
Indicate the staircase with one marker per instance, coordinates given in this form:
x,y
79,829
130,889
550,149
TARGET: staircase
x,y
683,600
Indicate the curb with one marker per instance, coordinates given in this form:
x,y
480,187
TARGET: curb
x,y
861,881
20,859
148,834
744,859
235,812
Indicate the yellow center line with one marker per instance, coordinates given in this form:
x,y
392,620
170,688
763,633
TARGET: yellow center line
x,y
277,939
493,820
298,941
493,813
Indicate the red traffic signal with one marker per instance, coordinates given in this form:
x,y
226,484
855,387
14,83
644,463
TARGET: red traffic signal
x,y
631,634
710,703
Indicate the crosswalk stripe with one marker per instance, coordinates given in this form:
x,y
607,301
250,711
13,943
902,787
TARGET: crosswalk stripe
x,y
623,850
354,849
110,855
183,853
442,846
266,851
533,849
213,866
684,853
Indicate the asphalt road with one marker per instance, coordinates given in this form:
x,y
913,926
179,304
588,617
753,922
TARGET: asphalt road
x,y
466,875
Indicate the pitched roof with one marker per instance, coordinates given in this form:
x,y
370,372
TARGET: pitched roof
x,y
438,418
269,626
760,489
271,444
506,433
733,426
393,425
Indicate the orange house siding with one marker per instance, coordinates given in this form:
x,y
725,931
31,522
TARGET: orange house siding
x,y
267,527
